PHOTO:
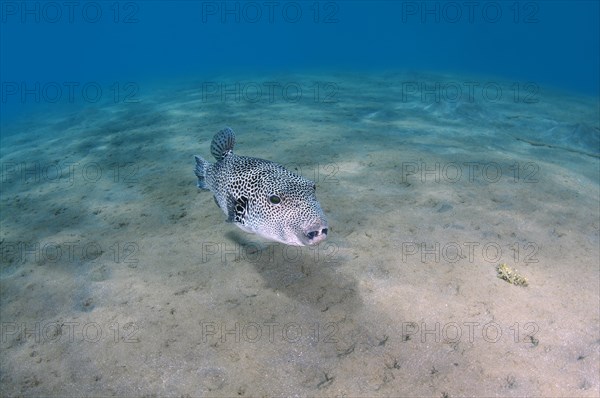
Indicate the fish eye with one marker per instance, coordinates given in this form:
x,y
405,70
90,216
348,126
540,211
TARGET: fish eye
x,y
274,199
314,187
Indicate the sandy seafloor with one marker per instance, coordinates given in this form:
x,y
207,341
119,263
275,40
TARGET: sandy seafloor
x,y
132,284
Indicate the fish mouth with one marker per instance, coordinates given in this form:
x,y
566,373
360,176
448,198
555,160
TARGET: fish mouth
x,y
315,235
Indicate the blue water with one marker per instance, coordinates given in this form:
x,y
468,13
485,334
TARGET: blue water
x,y
550,43
118,276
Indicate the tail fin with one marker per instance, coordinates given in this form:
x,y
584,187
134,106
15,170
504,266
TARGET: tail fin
x,y
200,171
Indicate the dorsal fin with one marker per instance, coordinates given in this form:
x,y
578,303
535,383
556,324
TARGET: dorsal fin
x,y
222,143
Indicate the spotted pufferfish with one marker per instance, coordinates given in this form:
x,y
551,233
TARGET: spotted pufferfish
x,y
260,196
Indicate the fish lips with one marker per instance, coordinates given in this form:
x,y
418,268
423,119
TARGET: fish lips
x,y
314,234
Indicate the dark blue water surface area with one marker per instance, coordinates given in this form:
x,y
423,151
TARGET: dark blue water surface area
x,y
74,44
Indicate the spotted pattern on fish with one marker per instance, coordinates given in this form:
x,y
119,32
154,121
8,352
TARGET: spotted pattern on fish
x,y
260,196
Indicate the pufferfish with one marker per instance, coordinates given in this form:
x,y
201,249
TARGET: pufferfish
x,y
260,196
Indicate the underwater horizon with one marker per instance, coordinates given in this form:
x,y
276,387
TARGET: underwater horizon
x,y
53,53
438,233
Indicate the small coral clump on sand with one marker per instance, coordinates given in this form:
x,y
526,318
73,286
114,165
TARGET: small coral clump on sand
x,y
511,276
